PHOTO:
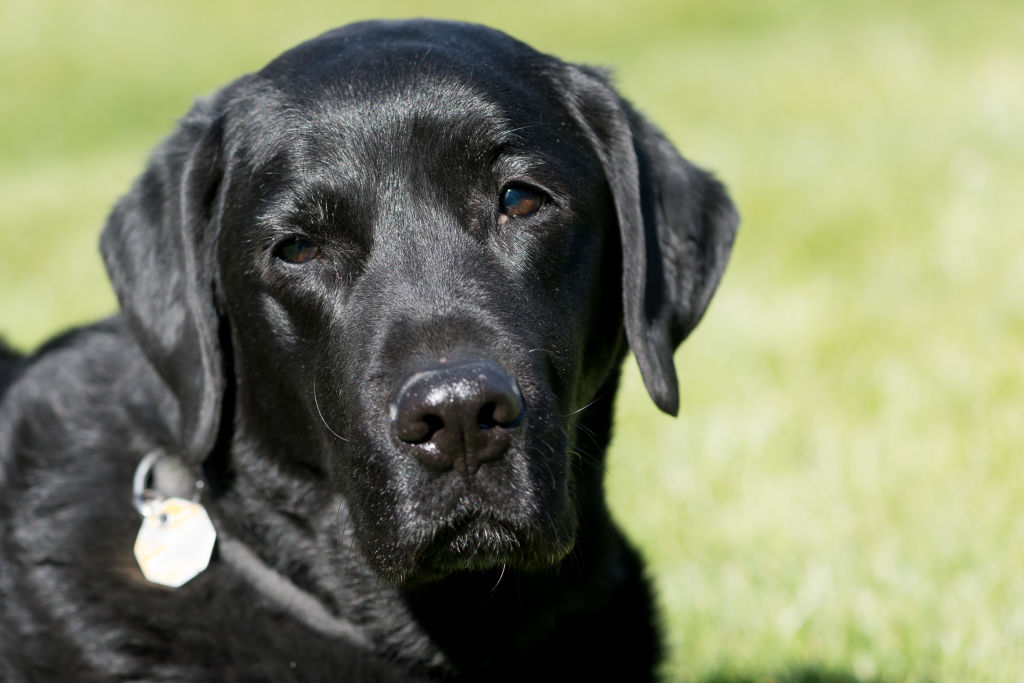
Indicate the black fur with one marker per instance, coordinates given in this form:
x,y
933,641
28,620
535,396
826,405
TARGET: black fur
x,y
10,364
387,145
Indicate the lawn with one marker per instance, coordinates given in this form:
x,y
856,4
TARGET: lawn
x,y
842,496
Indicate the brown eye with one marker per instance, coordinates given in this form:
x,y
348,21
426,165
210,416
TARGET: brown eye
x,y
296,249
519,201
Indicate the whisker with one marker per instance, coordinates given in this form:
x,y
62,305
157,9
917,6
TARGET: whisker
x,y
589,433
317,404
500,577
580,410
585,458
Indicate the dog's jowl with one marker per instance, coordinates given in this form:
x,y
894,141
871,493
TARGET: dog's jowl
x,y
373,303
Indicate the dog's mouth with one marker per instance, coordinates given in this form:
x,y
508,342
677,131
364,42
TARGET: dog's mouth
x,y
475,539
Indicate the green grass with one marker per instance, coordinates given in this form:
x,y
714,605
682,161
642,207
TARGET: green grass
x,y
842,497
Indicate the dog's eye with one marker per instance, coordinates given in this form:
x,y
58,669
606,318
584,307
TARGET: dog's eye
x,y
296,249
519,201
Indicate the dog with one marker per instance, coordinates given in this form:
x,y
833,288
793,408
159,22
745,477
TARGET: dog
x,y
373,300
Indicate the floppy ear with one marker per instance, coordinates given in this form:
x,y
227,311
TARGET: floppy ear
x,y
159,249
676,223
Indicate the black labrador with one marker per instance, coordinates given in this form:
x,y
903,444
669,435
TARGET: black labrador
x,y
374,300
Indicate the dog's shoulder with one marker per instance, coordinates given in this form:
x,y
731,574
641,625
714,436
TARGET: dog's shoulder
x,y
68,418
55,433
75,417
73,394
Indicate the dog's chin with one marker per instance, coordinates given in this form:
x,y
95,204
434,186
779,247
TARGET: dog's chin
x,y
479,542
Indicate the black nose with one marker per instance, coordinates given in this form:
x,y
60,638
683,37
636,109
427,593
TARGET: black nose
x,y
457,414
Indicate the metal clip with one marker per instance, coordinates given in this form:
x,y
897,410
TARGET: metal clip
x,y
144,499
160,476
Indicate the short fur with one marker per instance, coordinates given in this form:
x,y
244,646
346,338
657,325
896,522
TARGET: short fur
x,y
386,144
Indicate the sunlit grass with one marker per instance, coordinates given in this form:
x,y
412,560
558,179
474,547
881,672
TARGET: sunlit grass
x,y
843,490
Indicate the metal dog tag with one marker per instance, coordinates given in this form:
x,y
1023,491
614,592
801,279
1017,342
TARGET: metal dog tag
x,y
175,542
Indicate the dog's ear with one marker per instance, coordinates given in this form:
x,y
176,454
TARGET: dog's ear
x,y
676,223
159,248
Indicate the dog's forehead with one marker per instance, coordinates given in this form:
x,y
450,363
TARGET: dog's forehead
x,y
370,80
367,54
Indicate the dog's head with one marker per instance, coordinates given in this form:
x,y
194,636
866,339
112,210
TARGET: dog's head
x,y
413,253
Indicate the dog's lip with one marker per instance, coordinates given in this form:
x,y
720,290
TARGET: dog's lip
x,y
477,533
469,517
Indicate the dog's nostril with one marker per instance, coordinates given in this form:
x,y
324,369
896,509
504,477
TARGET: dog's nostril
x,y
486,418
417,428
507,413
434,424
429,425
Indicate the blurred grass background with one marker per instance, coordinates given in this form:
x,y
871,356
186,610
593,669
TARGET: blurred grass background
x,y
842,496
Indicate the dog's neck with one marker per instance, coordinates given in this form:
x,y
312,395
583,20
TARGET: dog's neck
x,y
171,477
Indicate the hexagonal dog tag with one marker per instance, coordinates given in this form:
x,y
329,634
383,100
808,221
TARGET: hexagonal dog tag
x,y
175,542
